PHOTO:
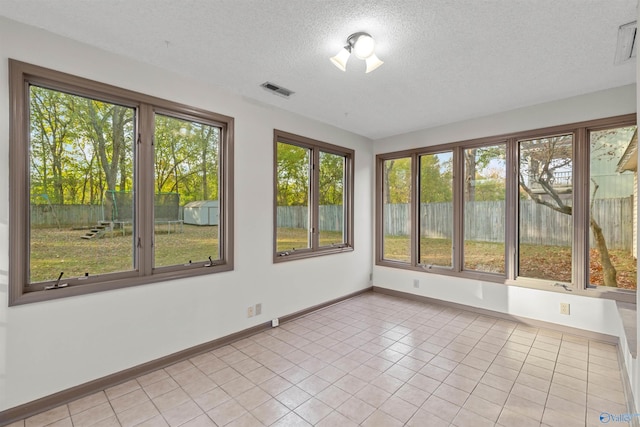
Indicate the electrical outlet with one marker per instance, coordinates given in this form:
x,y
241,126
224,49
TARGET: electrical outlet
x,y
250,311
258,309
275,322
416,283
565,308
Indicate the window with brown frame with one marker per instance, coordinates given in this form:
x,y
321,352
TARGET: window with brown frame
x,y
549,208
110,188
313,197
484,208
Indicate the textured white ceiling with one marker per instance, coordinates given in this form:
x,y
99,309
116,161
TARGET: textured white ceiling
x,y
445,60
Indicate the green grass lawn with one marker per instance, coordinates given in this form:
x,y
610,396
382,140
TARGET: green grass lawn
x,y
54,251
298,238
536,261
483,256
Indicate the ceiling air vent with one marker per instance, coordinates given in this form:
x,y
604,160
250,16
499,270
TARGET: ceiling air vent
x,y
278,90
626,48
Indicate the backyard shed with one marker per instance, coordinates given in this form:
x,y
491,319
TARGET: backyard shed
x,y
201,212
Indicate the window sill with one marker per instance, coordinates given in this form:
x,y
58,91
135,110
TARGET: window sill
x,y
302,254
90,288
622,295
618,295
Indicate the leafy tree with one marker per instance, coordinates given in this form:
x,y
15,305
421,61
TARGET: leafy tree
x,y
293,180
209,139
490,187
293,175
331,179
109,127
397,180
481,181
52,127
435,179
81,147
186,158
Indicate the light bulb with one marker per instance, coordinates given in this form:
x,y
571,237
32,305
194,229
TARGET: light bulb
x,y
364,46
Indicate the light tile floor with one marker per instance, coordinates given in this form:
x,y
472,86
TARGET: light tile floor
x,y
373,360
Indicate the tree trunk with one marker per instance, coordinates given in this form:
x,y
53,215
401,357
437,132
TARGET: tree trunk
x,y
101,145
470,175
58,188
204,138
385,183
609,272
176,175
117,142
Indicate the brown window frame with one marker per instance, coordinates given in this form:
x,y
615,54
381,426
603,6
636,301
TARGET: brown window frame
x,y
21,76
315,147
579,284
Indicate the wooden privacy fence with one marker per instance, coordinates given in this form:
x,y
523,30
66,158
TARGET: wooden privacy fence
x,y
69,216
484,221
539,225
330,217
65,215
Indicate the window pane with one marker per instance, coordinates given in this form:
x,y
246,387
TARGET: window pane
x,y
436,209
292,197
397,209
485,173
186,192
81,151
613,212
546,193
331,199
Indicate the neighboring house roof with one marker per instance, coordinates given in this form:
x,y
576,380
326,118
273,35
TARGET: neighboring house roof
x,y
629,160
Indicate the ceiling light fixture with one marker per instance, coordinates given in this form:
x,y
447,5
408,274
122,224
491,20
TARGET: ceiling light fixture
x,y
363,46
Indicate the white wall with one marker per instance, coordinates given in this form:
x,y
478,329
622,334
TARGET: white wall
x,y
48,347
594,314
596,105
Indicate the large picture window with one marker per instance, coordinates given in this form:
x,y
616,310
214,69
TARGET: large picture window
x,y
313,192
551,208
111,188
